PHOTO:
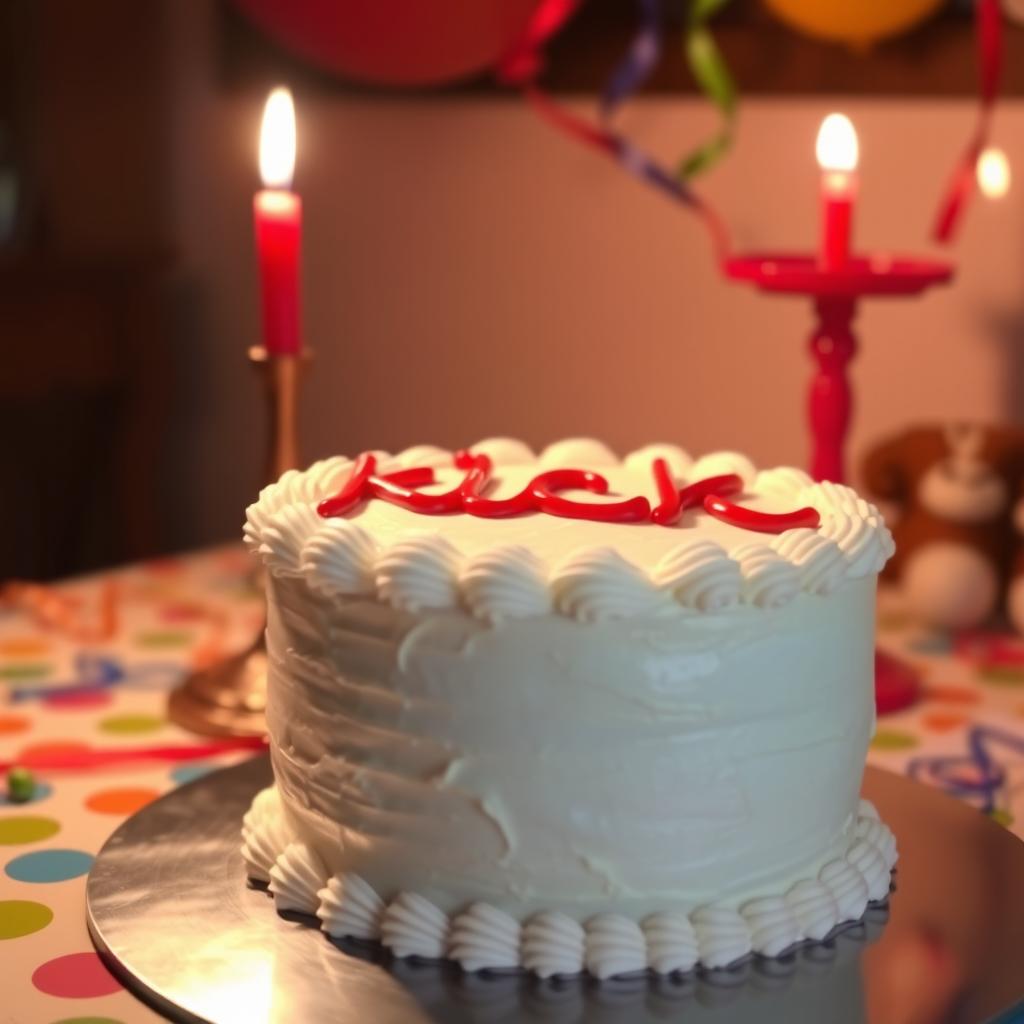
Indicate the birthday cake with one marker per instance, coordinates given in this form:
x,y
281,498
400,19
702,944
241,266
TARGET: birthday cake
x,y
568,712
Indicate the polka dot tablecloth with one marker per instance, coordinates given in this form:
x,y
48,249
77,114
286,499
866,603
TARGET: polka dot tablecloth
x,y
75,686
99,678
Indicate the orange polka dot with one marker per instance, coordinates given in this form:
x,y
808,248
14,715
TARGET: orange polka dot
x,y
13,723
943,721
23,647
951,694
120,801
51,748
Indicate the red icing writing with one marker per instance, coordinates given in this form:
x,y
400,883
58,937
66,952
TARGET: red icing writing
x,y
762,522
541,494
669,509
544,485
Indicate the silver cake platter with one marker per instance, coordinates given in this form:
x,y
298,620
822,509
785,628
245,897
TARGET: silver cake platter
x,y
171,912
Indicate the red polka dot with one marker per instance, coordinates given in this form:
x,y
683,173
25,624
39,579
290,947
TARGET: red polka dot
x,y
79,701
183,612
120,801
51,748
13,723
75,976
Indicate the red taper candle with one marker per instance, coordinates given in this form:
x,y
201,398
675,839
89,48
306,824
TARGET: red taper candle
x,y
277,214
837,156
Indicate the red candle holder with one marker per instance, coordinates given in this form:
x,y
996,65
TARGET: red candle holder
x,y
833,343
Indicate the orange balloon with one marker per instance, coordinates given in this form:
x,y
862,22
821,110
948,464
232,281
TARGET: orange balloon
x,y
859,23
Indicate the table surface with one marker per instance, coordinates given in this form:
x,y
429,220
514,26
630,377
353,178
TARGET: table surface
x,y
94,670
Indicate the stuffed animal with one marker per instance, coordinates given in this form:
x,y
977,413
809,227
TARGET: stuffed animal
x,y
955,490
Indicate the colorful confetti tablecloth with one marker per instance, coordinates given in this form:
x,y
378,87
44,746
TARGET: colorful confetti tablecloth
x,y
88,665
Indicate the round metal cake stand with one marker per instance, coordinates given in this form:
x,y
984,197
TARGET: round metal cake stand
x,y
171,913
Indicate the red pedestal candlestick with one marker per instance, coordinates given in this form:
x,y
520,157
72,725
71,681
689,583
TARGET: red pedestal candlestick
x,y
277,212
836,281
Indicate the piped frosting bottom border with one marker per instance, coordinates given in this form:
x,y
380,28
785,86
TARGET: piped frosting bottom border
x,y
550,943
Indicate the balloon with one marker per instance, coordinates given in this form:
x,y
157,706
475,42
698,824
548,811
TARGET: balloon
x,y
394,42
856,22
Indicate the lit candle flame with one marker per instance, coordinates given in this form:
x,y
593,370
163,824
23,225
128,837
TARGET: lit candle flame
x,y
277,140
993,172
836,147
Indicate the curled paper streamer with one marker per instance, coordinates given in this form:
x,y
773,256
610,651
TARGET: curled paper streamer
x,y
524,62
640,60
989,31
708,67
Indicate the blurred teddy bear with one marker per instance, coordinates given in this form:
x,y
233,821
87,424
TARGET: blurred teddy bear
x,y
955,490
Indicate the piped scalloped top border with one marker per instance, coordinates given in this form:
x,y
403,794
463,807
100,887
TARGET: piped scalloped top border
x,y
340,559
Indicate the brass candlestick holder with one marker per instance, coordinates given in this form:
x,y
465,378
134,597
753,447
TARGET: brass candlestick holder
x,y
230,698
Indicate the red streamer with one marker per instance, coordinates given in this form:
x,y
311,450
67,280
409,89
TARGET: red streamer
x,y
989,30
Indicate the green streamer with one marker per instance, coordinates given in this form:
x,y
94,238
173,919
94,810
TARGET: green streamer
x,y
709,69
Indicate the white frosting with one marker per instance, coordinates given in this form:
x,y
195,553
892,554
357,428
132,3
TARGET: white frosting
x,y
773,926
854,524
769,580
782,481
577,453
700,575
296,877
818,559
548,764
505,583
671,942
550,943
678,461
478,564
812,904
723,936
553,944
419,572
485,938
413,926
265,833
615,945
595,584
339,559
848,886
485,732
720,463
349,907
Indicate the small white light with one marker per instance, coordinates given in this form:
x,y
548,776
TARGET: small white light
x,y
277,140
993,173
836,147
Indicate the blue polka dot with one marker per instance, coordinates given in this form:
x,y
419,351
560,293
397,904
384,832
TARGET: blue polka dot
x,y
190,772
41,792
49,866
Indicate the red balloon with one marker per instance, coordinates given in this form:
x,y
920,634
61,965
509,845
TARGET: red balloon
x,y
394,42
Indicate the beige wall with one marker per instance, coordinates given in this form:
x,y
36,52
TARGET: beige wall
x,y
470,272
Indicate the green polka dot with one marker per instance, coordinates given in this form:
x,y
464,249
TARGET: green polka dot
x,y
22,917
20,671
14,831
132,723
160,638
1002,675
890,739
1000,817
87,1020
